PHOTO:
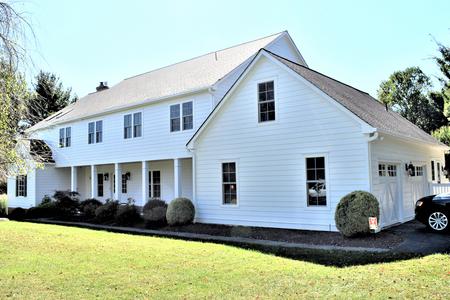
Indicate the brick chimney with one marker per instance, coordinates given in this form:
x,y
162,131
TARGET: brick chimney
x,y
103,86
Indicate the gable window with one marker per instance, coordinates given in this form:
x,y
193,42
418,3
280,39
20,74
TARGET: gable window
x,y
127,127
315,181
175,118
137,124
124,183
98,131
100,185
229,184
21,186
91,133
65,136
188,119
266,101
154,188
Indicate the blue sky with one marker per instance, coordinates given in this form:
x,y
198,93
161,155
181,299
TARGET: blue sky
x,y
357,42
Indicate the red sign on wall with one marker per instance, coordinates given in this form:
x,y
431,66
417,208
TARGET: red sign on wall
x,y
373,223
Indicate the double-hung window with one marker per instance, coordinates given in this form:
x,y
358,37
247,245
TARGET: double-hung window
x,y
65,137
91,133
266,101
99,131
132,125
100,185
181,116
229,183
154,188
21,186
315,181
137,124
124,184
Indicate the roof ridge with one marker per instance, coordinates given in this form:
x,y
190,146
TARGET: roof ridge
x,y
206,54
315,71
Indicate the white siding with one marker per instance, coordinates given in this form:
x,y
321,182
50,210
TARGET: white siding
x,y
157,142
51,179
24,202
271,157
398,152
283,47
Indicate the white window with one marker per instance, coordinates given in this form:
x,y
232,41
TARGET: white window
x,y
137,124
392,170
99,131
229,183
266,101
132,125
181,116
21,186
315,181
124,184
91,133
65,136
100,184
419,170
381,170
154,188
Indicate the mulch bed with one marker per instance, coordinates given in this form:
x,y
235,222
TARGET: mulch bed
x,y
383,239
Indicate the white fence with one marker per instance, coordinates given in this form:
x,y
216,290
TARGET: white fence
x,y
439,188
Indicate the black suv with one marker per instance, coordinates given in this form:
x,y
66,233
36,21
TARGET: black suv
x,y
434,211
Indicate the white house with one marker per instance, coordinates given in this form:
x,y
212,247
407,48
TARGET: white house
x,y
250,133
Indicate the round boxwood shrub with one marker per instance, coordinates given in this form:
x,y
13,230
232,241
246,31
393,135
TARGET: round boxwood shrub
x,y
66,203
107,212
353,212
155,213
154,203
127,215
88,207
180,211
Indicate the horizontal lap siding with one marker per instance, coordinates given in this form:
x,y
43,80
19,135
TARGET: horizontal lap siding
x,y
157,142
24,202
51,179
270,157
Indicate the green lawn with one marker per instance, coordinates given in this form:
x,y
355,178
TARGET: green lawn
x,y
50,262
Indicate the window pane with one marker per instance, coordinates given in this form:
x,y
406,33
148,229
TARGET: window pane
x,y
127,120
137,119
315,181
124,183
187,123
91,127
229,186
175,124
175,111
187,109
61,137
100,185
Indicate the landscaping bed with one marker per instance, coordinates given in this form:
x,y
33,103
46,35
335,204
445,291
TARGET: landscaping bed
x,y
382,239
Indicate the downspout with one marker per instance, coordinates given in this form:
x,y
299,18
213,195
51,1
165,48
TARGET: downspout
x,y
194,178
371,138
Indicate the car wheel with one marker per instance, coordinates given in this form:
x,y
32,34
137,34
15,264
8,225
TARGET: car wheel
x,y
438,221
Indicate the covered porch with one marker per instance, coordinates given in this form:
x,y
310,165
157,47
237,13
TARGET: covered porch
x,y
137,181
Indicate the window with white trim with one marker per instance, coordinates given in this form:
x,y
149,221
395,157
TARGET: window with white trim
x,y
65,137
181,116
392,170
21,186
229,183
124,184
266,101
387,170
316,181
127,129
154,188
381,170
100,184
419,170
99,131
132,125
137,124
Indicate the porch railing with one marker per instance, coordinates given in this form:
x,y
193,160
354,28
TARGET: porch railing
x,y
439,188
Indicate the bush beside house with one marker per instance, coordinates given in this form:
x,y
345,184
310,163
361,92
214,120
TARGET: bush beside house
x,y
155,213
180,211
353,212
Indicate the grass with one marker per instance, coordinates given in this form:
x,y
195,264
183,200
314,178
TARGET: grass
x,y
54,262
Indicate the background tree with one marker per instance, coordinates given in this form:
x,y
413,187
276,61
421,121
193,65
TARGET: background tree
x,y
49,97
409,93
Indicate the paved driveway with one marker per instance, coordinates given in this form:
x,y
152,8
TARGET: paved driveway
x,y
419,240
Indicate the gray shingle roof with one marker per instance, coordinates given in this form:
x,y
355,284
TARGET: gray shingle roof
x,y
190,75
360,103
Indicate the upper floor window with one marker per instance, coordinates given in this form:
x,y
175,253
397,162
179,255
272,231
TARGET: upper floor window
x,y
95,132
266,101
65,137
132,125
229,183
315,181
181,116
21,186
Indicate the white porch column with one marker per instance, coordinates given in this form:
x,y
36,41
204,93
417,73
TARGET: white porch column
x,y
117,181
177,173
73,179
145,196
93,181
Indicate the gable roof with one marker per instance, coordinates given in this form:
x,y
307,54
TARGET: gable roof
x,y
185,77
359,103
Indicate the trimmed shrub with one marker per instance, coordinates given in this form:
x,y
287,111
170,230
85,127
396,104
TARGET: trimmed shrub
x,y
107,212
154,203
66,203
180,211
88,207
155,217
353,212
3,206
127,215
17,214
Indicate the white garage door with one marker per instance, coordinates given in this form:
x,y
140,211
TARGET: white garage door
x,y
389,195
417,189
